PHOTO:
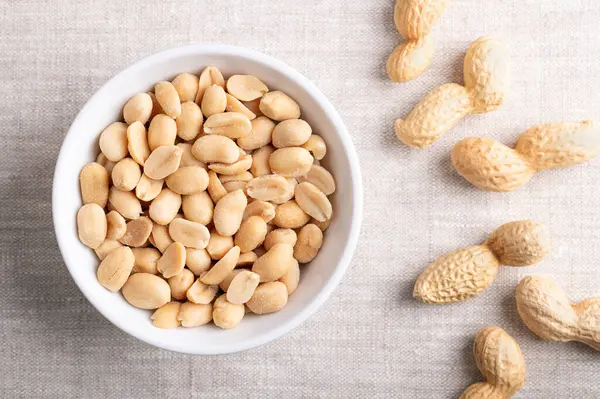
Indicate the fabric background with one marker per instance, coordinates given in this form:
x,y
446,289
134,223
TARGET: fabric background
x,y
370,338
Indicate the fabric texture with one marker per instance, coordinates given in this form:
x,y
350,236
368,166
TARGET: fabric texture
x,y
371,339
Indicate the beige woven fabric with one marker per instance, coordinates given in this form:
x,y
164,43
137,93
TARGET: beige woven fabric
x,y
370,339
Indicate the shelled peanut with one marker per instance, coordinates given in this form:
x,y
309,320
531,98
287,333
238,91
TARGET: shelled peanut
x,y
198,208
466,272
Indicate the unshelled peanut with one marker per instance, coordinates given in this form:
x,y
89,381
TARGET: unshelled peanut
x,y
549,314
500,361
487,79
490,165
414,20
465,273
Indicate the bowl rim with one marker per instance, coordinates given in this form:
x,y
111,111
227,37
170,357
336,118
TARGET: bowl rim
x,y
355,174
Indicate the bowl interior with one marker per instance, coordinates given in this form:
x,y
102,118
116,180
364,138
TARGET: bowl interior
x,y
318,278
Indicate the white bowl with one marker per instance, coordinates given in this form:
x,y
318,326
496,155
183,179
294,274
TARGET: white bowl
x,y
318,279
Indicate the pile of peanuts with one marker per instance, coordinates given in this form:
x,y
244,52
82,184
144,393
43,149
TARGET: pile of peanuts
x,y
205,200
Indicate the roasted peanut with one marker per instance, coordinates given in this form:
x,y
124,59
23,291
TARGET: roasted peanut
x,y
290,161
215,187
162,131
187,158
188,180
227,315
322,225
138,109
126,174
215,148
260,251
162,162
254,106
465,273
209,76
292,278
172,261
115,268
229,212
259,136
106,247
218,245
165,206
166,316
246,87
137,232
125,202
242,287
190,234
180,283
198,207
195,314
320,178
189,122
147,189
235,185
197,260
260,161
244,176
242,164
310,240
492,166
547,311
222,268
108,165
186,85
146,291
168,98
487,79
260,208
290,216
316,145
291,133
246,259
313,201
137,142
156,108
283,236
279,106
272,188
229,124
91,225
94,182
292,183
224,285
146,260
235,105
161,238
214,101
251,234
275,263
113,141
268,298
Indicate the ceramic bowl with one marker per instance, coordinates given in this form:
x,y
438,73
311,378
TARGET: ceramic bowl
x,y
318,279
